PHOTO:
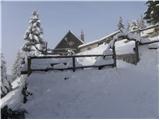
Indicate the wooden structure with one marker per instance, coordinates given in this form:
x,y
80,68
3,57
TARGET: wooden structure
x,y
29,69
68,42
74,67
134,57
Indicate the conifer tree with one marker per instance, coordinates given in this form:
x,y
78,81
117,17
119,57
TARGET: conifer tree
x,y
18,65
5,83
141,23
120,24
128,27
152,13
34,36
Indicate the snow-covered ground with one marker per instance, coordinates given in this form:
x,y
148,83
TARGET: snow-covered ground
x,y
14,99
127,91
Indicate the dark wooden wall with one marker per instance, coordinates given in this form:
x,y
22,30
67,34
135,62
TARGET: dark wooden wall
x,y
70,41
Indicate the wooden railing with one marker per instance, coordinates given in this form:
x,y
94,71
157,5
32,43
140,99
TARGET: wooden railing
x,y
29,69
73,67
150,42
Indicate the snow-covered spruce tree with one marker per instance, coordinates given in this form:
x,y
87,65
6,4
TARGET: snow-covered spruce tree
x,y
120,24
128,28
141,23
18,65
35,44
152,13
5,83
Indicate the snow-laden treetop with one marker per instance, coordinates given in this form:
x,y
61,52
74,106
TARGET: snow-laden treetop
x,y
34,35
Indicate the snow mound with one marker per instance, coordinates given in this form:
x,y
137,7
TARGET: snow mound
x,y
14,99
91,60
124,47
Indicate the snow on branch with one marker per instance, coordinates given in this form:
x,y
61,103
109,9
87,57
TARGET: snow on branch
x,y
34,36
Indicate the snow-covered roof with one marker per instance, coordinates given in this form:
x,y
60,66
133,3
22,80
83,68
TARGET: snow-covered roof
x,y
99,40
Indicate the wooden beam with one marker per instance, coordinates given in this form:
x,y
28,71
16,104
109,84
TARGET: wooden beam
x,y
74,64
71,68
150,42
71,56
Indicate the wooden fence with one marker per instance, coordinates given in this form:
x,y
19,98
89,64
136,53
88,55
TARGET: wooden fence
x,y
29,69
146,43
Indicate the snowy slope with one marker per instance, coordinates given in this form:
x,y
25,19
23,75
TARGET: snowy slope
x,y
14,99
127,91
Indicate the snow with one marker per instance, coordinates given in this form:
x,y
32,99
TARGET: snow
x,y
96,41
33,35
4,82
104,60
127,91
14,98
154,38
124,47
17,82
47,63
91,60
153,46
134,36
146,39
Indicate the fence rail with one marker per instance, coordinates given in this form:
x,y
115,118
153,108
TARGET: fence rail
x,y
73,68
150,42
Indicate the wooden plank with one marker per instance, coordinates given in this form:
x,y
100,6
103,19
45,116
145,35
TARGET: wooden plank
x,y
74,65
29,65
137,51
114,57
71,68
149,42
24,72
47,57
90,66
49,69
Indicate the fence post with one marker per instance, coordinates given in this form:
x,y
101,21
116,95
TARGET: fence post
x,y
29,65
136,50
114,56
74,65
46,48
